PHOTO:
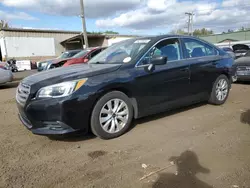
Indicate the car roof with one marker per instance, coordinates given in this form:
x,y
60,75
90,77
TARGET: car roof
x,y
158,37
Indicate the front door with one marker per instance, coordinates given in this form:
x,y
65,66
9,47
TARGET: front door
x,y
168,84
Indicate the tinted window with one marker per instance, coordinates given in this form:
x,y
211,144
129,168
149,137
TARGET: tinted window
x,y
81,54
195,48
169,48
71,54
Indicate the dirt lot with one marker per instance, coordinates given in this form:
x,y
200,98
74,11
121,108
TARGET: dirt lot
x,y
210,147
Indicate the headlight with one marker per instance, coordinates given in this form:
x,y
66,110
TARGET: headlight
x,y
60,90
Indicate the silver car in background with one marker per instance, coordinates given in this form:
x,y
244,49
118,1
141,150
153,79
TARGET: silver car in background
x,y
5,75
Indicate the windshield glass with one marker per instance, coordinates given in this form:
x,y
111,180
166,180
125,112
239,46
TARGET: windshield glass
x,y
122,52
81,54
63,55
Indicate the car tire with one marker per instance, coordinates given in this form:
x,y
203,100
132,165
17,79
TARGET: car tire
x,y
112,115
220,91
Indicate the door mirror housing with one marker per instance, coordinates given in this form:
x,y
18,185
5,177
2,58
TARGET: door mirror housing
x,y
85,60
159,60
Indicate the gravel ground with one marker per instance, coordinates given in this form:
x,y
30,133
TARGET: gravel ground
x,y
197,147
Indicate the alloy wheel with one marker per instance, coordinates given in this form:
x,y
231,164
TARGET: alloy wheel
x,y
114,116
221,89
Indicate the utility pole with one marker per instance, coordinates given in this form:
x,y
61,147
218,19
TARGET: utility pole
x,y
84,25
190,22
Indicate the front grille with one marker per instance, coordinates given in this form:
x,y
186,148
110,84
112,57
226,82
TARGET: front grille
x,y
22,94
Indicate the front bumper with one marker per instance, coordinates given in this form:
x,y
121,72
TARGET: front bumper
x,y
56,116
50,128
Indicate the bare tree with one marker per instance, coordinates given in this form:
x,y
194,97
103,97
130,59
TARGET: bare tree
x,y
4,24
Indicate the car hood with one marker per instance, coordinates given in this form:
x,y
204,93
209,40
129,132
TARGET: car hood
x,y
244,61
74,72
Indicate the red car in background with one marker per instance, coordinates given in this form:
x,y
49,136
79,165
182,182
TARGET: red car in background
x,y
84,56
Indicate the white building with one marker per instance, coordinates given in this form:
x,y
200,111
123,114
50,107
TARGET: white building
x,y
34,44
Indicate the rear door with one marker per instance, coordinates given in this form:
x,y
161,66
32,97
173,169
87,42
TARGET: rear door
x,y
203,59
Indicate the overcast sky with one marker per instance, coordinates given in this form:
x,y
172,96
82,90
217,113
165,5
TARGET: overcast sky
x,y
146,17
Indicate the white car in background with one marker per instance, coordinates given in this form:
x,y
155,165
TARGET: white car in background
x,y
5,75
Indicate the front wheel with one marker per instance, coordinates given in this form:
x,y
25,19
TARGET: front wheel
x,y
112,115
220,90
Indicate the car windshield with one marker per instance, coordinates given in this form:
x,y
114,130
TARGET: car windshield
x,y
81,54
122,52
67,54
63,55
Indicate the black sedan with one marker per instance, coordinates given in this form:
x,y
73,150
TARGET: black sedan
x,y
242,68
129,80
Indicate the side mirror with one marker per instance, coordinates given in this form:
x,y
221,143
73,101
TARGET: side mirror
x,y
85,60
160,60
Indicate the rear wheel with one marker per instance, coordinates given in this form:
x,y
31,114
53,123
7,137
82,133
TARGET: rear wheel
x,y
112,115
220,90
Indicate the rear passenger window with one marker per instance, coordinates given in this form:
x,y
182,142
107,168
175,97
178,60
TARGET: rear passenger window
x,y
195,48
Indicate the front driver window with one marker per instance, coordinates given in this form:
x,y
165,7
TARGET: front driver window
x,y
169,48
